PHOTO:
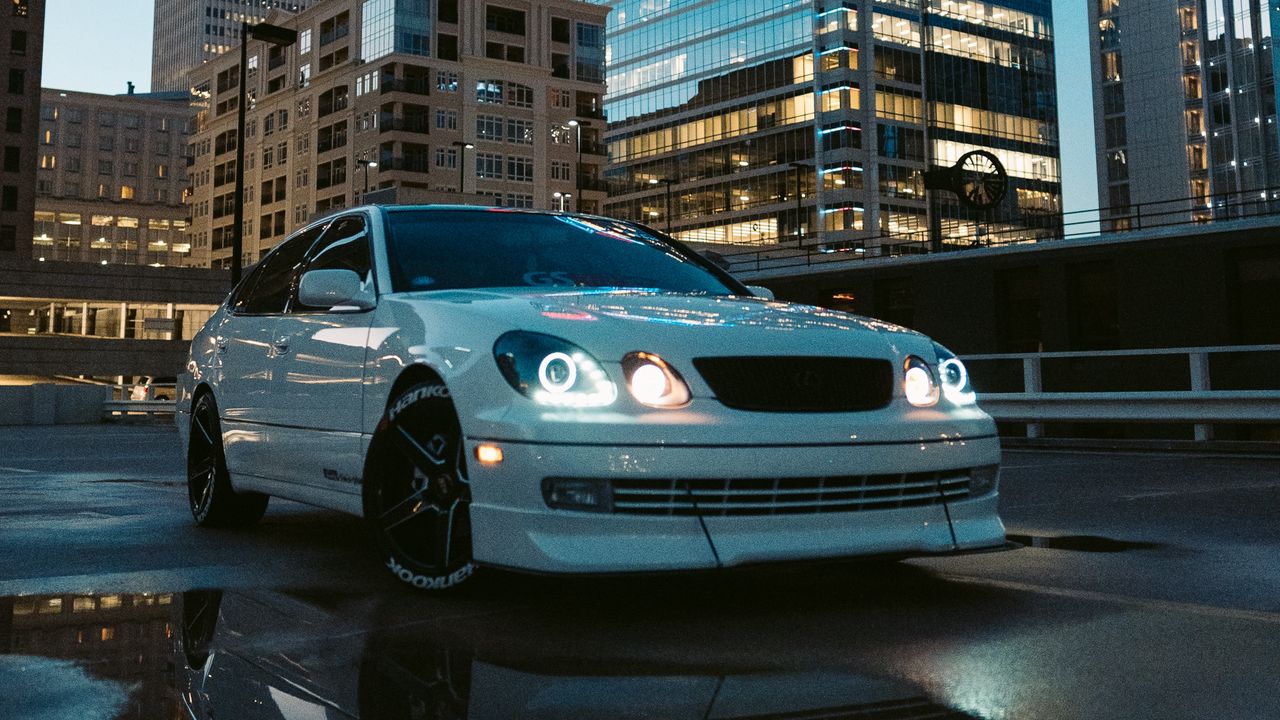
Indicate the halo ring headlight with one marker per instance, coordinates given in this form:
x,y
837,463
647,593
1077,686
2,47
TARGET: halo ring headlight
x,y
557,372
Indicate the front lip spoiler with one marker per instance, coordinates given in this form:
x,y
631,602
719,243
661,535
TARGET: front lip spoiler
x,y
680,446
753,567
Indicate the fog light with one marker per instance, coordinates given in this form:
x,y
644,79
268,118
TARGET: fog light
x,y
585,495
983,480
489,454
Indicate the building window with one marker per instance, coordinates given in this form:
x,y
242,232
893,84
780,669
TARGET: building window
x,y
489,127
446,158
106,167
446,81
8,238
504,20
13,120
520,132
447,47
561,170
106,143
9,198
18,42
489,91
562,99
446,119
126,192
304,42
12,158
17,81
520,169
488,166
20,8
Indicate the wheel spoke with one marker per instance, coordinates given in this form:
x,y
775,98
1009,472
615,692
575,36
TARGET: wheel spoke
x,y
208,438
406,510
202,472
415,451
207,492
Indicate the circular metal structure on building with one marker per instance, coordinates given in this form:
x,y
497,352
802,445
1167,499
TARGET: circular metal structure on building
x,y
980,179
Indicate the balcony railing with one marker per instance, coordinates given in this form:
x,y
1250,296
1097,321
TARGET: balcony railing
x,y
408,164
416,86
388,123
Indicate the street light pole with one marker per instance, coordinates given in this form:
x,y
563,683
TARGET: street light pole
x,y
237,231
463,147
275,35
365,164
577,170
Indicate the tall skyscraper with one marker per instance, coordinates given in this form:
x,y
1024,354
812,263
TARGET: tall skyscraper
x,y
436,101
1184,108
189,32
812,122
21,52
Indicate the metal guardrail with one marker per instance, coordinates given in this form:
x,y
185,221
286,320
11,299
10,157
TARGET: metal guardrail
x,y
1199,404
127,409
1047,226
122,406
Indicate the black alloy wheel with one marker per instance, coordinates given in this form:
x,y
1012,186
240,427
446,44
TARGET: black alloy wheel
x,y
214,503
416,494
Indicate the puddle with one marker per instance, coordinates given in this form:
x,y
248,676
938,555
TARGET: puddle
x,y
264,654
137,481
1082,543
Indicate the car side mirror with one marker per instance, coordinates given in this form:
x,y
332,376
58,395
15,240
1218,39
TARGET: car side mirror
x,y
334,290
761,292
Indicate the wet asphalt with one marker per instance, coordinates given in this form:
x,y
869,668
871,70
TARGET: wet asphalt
x,y
1147,586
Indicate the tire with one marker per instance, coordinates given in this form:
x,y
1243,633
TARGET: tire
x,y
213,502
416,493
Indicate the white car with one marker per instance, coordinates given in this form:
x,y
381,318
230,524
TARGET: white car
x,y
573,394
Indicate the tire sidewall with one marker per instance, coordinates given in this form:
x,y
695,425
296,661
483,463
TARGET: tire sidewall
x,y
429,403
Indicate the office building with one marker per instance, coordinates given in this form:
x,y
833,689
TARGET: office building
x,y
110,179
812,122
188,33
21,52
459,101
1185,109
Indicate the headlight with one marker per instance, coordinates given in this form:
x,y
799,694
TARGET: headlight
x,y
551,371
954,377
653,382
918,382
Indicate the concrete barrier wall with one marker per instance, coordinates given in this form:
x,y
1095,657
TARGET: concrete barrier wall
x,y
47,404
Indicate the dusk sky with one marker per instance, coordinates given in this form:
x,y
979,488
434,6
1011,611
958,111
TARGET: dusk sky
x,y
98,46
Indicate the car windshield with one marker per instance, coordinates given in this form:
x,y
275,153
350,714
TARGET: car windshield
x,y
447,249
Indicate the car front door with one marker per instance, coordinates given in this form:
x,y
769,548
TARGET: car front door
x,y
324,373
247,391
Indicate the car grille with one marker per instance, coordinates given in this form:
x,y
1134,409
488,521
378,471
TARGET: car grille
x,y
798,384
786,496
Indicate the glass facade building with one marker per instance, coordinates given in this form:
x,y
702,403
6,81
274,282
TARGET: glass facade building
x,y
758,123
188,33
1202,74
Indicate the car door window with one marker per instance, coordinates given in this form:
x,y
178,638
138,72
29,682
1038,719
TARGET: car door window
x,y
344,247
269,286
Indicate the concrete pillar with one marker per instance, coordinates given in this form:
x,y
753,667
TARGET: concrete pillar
x,y
84,318
1031,384
124,318
1200,383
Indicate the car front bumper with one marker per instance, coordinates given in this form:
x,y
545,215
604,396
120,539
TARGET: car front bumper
x,y
512,525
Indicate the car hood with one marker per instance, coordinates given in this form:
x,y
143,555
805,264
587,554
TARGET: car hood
x,y
612,323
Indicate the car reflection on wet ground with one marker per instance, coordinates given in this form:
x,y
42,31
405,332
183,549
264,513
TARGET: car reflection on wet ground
x,y
1146,589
